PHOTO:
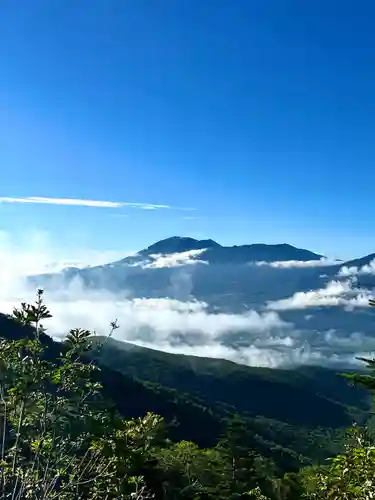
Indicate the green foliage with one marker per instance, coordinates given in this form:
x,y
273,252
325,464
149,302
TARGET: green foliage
x,y
188,471
296,417
58,438
316,396
351,475
62,438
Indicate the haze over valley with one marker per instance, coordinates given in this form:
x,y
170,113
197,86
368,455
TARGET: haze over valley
x,y
259,305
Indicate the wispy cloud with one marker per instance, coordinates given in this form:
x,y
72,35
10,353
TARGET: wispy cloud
x,y
299,263
87,203
334,294
159,261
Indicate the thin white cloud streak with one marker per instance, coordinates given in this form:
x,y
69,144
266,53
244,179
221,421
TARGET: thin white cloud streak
x,y
86,203
368,269
334,294
299,263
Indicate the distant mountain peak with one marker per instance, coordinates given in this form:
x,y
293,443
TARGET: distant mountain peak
x,y
179,244
216,253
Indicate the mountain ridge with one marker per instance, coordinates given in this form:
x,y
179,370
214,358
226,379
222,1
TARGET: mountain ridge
x,y
211,252
215,253
206,251
177,244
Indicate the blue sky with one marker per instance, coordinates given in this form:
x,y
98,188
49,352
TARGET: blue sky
x,y
260,115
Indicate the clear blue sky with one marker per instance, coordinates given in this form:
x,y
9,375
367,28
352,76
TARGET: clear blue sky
x,y
258,114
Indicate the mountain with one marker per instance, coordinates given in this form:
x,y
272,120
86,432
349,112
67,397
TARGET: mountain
x,y
257,253
149,272
178,244
214,253
274,305
186,249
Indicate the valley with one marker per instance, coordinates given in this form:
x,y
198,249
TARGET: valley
x,y
260,305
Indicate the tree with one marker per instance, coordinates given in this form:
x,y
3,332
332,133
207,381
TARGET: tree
x,y
58,438
246,469
350,476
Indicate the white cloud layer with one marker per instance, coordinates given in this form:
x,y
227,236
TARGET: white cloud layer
x,y
164,323
335,293
154,319
179,259
368,269
167,324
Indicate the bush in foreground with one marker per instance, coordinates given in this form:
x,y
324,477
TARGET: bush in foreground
x,y
57,437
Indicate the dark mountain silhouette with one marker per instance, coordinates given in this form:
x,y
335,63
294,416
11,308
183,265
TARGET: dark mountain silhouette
x,y
216,253
129,272
258,252
177,244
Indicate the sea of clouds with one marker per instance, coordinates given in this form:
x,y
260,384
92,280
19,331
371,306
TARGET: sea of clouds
x,y
328,324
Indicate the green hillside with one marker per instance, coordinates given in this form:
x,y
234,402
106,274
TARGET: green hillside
x,y
301,412
76,423
294,416
307,395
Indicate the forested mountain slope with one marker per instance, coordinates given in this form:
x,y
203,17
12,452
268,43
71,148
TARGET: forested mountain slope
x,y
292,417
309,396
